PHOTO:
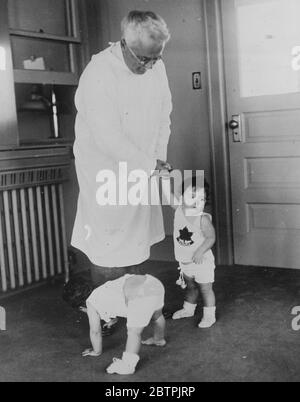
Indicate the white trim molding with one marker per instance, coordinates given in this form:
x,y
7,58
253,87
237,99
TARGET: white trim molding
x,y
218,131
2,319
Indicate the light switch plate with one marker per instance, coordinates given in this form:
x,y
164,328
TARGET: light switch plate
x,y
197,80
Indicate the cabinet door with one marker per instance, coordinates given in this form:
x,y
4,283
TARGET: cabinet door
x,y
44,40
43,16
8,118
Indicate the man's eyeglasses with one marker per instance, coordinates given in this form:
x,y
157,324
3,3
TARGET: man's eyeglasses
x,y
144,61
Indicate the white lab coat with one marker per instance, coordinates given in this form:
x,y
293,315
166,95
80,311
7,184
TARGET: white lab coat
x,y
122,117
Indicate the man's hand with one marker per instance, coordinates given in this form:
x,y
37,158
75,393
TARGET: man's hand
x,y
198,257
91,352
162,169
161,165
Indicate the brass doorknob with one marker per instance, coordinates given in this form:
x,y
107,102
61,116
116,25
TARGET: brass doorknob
x,y
233,124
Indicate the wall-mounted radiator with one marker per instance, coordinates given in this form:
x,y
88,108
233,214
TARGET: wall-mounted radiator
x,y
33,244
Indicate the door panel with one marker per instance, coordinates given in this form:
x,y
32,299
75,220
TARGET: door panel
x,y
263,89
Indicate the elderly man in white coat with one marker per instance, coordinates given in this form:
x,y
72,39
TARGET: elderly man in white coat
x,y
123,120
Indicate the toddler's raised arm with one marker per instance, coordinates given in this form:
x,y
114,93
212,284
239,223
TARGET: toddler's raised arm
x,y
168,195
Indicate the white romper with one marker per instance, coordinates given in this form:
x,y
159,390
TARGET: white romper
x,y
187,238
109,301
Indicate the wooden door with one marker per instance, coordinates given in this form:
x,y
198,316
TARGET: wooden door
x,y
262,63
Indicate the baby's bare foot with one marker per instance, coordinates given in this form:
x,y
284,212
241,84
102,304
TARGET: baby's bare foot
x,y
153,342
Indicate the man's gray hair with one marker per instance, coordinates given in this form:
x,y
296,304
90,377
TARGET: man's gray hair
x,y
140,24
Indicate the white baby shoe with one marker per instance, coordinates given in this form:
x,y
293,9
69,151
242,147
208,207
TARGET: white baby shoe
x,y
124,366
187,311
209,317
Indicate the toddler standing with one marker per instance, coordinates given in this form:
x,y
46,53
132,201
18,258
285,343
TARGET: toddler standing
x,y
194,236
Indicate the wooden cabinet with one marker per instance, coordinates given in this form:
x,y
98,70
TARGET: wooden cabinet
x,y
45,40
41,55
43,49
8,113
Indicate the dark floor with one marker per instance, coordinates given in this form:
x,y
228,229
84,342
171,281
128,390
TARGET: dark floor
x,y
252,341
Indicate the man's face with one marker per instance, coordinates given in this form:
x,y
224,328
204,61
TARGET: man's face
x,y
142,56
